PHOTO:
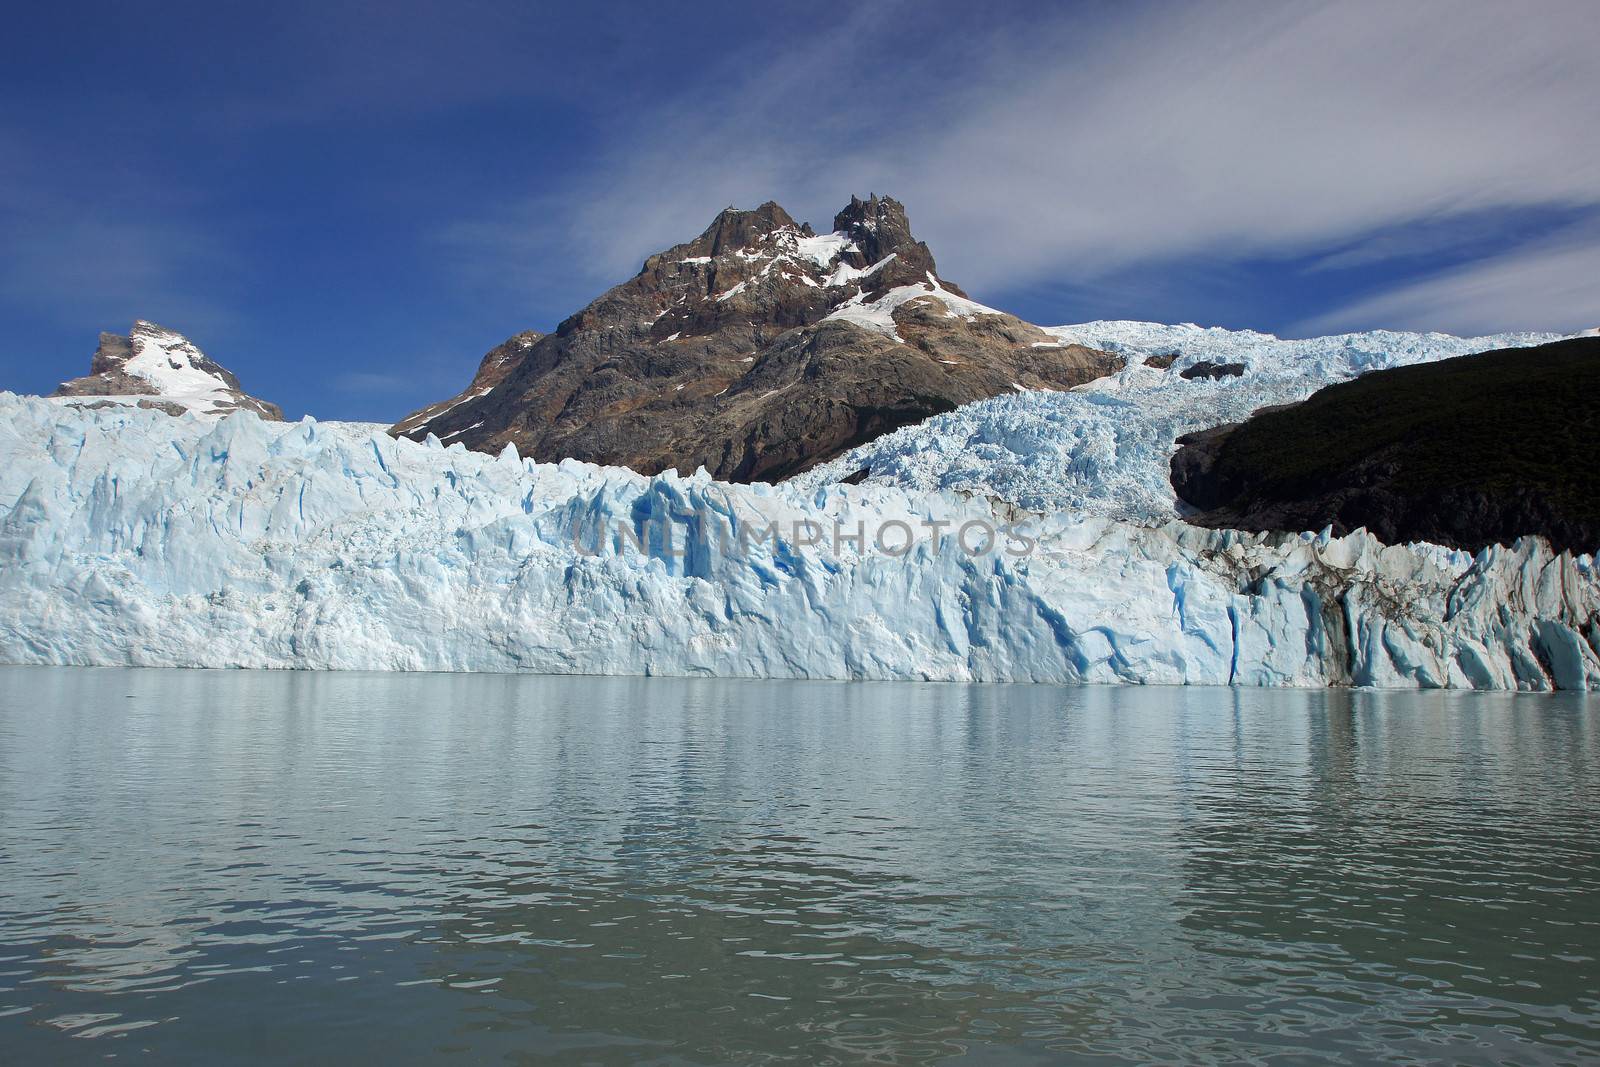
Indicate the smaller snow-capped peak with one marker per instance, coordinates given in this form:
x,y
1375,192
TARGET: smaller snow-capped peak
x,y
153,366
171,362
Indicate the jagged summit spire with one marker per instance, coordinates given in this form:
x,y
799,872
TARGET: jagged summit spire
x,y
870,212
879,227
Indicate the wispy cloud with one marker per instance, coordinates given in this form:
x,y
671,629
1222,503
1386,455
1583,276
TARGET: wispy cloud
x,y
798,124
1549,285
1082,145
372,382
1251,130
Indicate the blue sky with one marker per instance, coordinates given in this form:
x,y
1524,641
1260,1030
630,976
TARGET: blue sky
x,y
348,203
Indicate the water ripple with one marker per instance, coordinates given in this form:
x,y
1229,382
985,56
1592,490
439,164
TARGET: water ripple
x,y
325,867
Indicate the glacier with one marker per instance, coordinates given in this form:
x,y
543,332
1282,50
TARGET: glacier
x,y
130,537
1104,447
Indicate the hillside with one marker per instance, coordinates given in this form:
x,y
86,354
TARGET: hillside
x,y
1467,452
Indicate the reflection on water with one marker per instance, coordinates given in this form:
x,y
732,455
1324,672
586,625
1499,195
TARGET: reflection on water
x,y
201,865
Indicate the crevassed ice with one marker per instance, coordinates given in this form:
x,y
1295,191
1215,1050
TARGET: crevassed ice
x,y
131,537
1105,447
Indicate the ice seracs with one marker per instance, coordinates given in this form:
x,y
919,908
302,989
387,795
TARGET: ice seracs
x,y
158,368
127,537
1104,447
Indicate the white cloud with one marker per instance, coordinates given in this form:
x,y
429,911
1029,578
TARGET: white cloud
x,y
1076,148
1248,130
1551,285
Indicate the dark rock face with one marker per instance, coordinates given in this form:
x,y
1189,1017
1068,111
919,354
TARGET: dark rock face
x,y
757,350
165,366
1467,452
1204,368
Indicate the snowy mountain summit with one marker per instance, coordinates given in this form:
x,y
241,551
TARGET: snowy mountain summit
x,y
758,350
154,367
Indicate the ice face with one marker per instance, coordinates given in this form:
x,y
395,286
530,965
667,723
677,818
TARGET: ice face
x,y
130,537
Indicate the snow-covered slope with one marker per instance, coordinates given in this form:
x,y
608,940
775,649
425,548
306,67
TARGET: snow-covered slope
x,y
161,369
1104,448
127,537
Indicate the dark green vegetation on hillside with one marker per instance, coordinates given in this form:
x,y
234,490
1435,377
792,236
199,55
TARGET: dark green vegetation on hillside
x,y
1466,452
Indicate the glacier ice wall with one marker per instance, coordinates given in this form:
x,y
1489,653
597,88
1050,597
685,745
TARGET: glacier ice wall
x,y
129,537
1104,448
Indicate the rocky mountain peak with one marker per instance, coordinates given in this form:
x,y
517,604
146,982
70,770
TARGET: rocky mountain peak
x,y
757,350
879,228
156,367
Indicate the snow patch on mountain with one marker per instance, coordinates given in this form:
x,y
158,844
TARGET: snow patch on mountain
x,y
817,258
171,363
845,273
790,244
1104,448
877,314
824,249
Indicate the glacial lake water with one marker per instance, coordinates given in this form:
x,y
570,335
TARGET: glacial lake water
x,y
201,866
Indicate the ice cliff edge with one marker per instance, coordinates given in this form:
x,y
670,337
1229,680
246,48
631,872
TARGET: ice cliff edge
x,y
128,537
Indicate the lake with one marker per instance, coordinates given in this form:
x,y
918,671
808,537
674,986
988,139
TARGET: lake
x,y
199,866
